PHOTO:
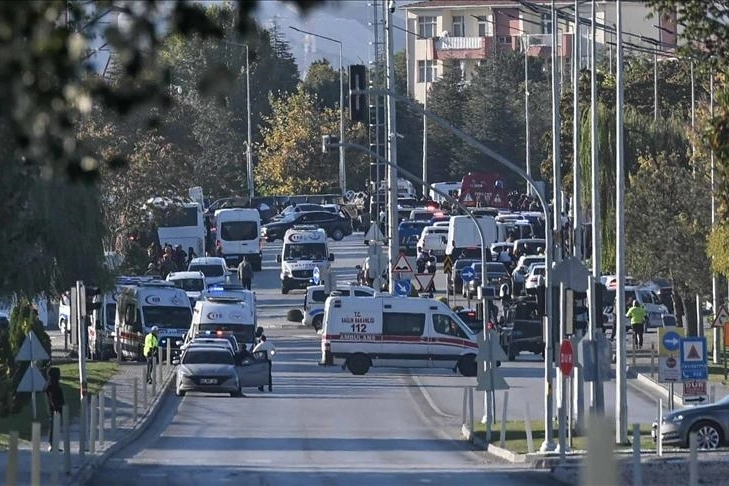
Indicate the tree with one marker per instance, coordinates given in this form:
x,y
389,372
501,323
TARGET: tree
x,y
291,160
666,222
323,81
409,123
445,99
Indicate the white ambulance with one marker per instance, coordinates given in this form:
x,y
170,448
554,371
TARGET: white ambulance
x,y
396,331
221,316
143,303
304,249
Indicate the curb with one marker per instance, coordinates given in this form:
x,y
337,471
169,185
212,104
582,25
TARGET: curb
x,y
89,467
658,389
506,454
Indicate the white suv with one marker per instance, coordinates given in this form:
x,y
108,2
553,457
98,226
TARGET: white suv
x,y
214,268
316,296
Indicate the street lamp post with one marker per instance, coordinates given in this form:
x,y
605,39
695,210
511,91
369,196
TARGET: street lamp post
x,y
342,168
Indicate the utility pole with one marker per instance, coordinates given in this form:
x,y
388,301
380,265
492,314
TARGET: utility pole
x,y
393,243
621,395
576,176
527,155
714,284
597,400
428,71
249,150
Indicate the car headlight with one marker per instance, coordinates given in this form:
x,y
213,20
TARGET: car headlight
x,y
676,419
184,371
287,271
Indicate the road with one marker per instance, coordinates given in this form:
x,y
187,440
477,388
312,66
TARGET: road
x,y
319,426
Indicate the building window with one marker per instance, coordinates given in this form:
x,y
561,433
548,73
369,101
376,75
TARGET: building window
x,y
427,26
546,23
504,39
459,26
426,71
484,28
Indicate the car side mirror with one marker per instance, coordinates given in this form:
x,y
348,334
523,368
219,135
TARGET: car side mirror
x,y
278,258
331,257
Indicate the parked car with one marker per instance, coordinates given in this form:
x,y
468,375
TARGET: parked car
x,y
522,329
496,276
335,225
298,208
710,422
535,278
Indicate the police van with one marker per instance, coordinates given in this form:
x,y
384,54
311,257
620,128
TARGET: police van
x,y
146,302
222,316
316,295
304,249
396,331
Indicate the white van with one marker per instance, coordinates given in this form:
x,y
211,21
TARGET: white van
x,y
304,249
103,323
396,331
221,316
238,233
433,238
143,303
463,234
316,295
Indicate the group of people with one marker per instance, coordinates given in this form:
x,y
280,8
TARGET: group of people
x,y
170,259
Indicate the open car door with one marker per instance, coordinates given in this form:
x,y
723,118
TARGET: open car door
x,y
253,372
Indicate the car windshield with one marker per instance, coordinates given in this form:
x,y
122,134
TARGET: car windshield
x,y
208,356
167,316
208,270
239,230
464,326
189,284
305,251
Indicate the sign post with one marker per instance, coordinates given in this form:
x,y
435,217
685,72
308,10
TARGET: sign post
x,y
467,275
490,354
33,381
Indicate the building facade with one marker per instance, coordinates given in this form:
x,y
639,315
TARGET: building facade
x,y
470,30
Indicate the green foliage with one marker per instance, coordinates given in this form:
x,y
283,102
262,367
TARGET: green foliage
x,y
666,209
323,81
718,250
446,99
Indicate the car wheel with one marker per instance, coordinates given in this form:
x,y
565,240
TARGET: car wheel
x,y
467,365
237,393
708,435
359,364
317,322
337,234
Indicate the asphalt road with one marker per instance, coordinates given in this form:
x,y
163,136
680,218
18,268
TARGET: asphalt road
x,y
319,426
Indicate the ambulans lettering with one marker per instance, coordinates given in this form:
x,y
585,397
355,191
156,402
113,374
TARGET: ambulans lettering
x,y
356,337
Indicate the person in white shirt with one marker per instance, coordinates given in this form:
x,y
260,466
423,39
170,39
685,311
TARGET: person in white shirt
x,y
266,346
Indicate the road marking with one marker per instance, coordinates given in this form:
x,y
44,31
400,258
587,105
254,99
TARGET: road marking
x,y
429,399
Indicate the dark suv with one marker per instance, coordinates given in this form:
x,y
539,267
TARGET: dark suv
x,y
335,225
522,328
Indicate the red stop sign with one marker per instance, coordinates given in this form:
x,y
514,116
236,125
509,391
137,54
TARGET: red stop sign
x,y
566,358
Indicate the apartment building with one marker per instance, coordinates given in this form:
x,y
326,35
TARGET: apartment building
x,y
470,30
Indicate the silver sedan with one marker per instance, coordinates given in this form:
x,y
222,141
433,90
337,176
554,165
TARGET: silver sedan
x,y
709,422
207,369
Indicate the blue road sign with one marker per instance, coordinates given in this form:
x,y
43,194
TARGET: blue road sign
x,y
671,340
316,276
467,274
402,287
693,359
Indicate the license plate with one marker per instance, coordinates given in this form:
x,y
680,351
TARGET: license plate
x,y
208,381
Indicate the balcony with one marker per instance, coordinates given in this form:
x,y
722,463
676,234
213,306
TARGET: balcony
x,y
539,45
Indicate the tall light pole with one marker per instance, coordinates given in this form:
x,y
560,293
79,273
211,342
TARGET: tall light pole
x,y
714,284
426,186
393,245
342,168
621,395
576,206
527,155
249,150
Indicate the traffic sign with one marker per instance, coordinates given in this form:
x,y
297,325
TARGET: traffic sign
x,y
374,235
693,359
694,391
566,358
31,349
424,280
468,274
32,381
722,317
316,276
490,354
669,339
403,287
447,265
402,265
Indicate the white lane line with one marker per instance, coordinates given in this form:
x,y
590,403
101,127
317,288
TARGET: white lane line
x,y
429,399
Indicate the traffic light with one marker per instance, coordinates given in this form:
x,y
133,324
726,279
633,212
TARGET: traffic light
x,y
358,107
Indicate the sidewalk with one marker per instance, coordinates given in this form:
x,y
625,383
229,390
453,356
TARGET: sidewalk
x,y
127,429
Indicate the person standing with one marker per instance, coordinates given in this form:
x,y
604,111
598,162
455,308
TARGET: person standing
x,y
431,263
637,315
54,394
265,346
245,273
150,350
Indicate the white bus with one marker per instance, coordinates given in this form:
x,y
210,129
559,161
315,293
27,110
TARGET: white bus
x,y
180,224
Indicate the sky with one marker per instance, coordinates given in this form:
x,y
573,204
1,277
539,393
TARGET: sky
x,y
345,20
